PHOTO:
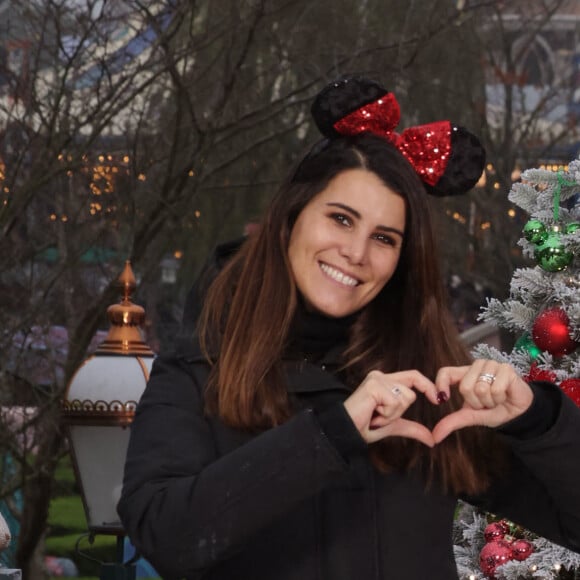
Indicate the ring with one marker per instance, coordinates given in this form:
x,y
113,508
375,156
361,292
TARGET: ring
x,y
486,378
396,391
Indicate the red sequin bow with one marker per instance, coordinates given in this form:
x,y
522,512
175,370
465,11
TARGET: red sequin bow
x,y
426,147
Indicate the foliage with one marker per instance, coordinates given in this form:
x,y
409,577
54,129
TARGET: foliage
x,y
67,527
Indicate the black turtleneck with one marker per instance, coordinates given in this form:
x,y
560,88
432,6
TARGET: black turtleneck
x,y
313,334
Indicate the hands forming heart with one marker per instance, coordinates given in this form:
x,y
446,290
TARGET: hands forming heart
x,y
492,393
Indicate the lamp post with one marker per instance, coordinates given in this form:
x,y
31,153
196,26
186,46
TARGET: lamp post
x,y
98,407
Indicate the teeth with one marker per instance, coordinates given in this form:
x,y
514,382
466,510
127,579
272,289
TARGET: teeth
x,y
338,275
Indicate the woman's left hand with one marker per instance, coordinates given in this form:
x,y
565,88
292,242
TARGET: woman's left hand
x,y
493,394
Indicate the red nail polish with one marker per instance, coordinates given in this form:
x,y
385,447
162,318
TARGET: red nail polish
x,y
442,397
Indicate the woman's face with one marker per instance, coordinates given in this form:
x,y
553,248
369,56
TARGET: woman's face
x,y
346,242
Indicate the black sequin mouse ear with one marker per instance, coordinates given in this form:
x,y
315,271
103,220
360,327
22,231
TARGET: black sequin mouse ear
x,y
448,158
464,167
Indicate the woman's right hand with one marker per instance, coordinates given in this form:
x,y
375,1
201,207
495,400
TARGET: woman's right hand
x,y
377,406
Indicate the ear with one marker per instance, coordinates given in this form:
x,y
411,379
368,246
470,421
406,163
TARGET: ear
x,y
465,166
342,97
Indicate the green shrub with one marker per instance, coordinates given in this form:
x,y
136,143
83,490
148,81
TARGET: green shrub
x,y
66,514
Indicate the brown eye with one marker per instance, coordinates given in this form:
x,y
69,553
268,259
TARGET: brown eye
x,y
341,219
386,239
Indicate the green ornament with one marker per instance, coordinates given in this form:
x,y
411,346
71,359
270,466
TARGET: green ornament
x,y
535,232
527,344
552,255
572,227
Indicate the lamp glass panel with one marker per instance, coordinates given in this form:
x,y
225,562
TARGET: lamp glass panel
x,y
100,458
111,378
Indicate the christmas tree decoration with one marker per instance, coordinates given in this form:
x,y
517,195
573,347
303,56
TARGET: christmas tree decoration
x,y
551,332
521,549
572,388
552,255
535,232
525,343
495,531
521,557
537,374
543,313
494,554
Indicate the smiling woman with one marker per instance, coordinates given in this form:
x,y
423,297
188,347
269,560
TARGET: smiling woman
x,y
345,244
325,418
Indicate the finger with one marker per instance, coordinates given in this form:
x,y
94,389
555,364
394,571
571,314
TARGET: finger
x,y
413,430
475,384
463,378
498,391
402,394
379,421
417,381
465,417
483,387
447,376
403,428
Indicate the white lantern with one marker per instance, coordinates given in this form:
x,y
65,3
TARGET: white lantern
x,y
99,406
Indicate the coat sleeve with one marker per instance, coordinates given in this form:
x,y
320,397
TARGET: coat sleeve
x,y
540,489
184,507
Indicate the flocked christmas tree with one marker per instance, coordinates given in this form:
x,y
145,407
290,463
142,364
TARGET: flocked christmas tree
x,y
543,313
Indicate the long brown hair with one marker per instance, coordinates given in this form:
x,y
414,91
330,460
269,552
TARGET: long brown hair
x,y
250,306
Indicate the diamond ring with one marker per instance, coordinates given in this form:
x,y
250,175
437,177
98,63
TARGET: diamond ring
x,y
396,391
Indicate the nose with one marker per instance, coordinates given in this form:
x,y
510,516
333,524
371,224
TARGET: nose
x,y
355,249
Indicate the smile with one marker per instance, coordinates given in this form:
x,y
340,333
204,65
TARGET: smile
x,y
338,276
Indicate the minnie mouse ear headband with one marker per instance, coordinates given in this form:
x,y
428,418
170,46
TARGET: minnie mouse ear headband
x,y
447,158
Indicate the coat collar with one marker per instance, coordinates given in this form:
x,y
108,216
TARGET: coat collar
x,y
302,375
308,377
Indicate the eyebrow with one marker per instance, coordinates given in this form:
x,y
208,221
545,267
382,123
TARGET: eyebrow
x,y
357,215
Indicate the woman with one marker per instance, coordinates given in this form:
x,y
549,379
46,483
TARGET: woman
x,y
328,418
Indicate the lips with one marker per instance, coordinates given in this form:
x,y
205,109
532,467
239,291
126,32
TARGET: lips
x,y
339,276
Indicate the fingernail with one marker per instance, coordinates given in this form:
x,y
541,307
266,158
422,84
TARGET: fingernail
x,y
442,397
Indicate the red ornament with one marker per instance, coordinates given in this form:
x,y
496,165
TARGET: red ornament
x,y
551,332
572,388
521,549
495,531
537,374
493,555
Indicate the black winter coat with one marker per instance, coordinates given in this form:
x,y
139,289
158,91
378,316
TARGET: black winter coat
x,y
302,501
